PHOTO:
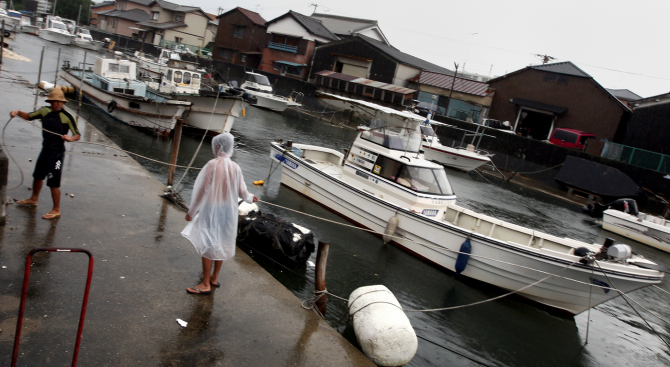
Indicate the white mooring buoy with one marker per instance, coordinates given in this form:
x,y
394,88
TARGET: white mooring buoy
x,y
381,326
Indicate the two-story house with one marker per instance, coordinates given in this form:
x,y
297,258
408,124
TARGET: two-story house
x,y
96,8
176,24
291,39
240,37
344,27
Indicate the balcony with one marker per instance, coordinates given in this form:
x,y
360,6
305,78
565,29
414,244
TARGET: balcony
x,y
283,47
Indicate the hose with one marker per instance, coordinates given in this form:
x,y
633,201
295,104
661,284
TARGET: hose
x,y
4,145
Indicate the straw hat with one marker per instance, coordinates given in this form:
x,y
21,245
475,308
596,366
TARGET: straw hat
x,y
56,94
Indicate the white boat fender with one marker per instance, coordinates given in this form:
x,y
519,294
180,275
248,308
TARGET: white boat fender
x,y
381,326
463,256
620,252
389,231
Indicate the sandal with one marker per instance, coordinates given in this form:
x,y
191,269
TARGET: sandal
x,y
197,291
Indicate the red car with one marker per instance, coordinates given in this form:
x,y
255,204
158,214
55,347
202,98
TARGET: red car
x,y
570,138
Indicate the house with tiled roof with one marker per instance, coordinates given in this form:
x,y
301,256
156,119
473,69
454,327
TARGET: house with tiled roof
x,y
364,57
96,8
291,41
346,26
121,22
176,23
470,99
240,37
537,99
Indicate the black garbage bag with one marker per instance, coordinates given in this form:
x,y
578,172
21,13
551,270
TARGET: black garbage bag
x,y
276,238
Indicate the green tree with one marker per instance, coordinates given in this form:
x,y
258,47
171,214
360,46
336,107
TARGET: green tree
x,y
70,8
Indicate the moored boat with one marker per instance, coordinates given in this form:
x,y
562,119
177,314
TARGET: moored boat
x,y
259,86
645,228
182,80
112,87
383,183
56,31
84,39
463,158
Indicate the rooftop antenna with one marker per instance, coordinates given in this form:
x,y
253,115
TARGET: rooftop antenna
x,y
545,58
315,7
219,10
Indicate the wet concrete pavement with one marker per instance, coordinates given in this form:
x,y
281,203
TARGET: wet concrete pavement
x,y
142,267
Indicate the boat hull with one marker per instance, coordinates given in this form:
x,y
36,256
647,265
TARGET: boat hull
x,y
159,117
643,231
30,29
89,45
436,242
200,116
268,102
61,38
455,158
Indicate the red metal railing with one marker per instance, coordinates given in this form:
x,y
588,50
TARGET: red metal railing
x,y
26,278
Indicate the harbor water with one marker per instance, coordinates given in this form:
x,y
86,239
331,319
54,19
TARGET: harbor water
x,y
507,332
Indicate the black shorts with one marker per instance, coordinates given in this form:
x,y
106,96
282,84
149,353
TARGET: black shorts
x,y
49,166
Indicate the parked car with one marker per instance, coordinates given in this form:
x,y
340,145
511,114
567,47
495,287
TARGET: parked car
x,y
496,124
570,138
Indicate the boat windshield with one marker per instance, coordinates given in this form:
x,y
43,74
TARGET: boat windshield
x,y
422,179
84,31
58,26
258,79
427,130
405,138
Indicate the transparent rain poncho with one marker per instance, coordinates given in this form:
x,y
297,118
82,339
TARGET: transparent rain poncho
x,y
214,201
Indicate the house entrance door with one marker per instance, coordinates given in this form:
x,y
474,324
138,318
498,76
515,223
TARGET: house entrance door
x,y
535,125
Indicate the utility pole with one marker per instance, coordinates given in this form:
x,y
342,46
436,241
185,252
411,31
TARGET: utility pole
x,y
78,15
219,10
545,58
54,9
452,88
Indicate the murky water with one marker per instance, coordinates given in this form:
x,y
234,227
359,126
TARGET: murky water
x,y
506,332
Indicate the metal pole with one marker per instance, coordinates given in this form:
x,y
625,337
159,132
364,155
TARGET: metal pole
x,y
81,84
320,276
39,75
176,140
2,40
78,15
54,9
57,63
452,88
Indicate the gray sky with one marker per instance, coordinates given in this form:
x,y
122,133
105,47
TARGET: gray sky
x,y
622,44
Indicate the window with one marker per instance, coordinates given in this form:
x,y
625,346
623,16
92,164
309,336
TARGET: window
x,y
238,32
114,23
125,91
288,69
196,76
154,15
421,179
243,58
114,68
104,85
187,78
178,39
169,75
179,17
125,69
177,76
566,136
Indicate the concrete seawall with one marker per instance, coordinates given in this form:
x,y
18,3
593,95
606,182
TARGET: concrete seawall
x,y
142,267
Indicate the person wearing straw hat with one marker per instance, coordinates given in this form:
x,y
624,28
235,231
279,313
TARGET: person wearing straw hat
x,y
57,122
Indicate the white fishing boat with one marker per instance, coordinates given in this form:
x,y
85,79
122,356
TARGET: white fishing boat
x,y
154,67
26,26
259,86
12,21
182,80
112,87
384,184
645,228
84,39
56,31
463,158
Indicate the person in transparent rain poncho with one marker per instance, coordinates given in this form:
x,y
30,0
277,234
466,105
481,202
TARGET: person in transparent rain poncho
x,y
212,217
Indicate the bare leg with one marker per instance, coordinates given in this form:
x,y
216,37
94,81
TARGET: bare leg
x,y
55,196
206,271
217,267
37,187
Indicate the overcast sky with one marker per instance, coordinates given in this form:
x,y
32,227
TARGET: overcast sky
x,y
622,44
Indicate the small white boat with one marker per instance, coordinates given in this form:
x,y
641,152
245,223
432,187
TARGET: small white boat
x,y
12,21
182,80
465,159
84,39
155,67
384,184
112,87
645,228
56,31
26,26
259,86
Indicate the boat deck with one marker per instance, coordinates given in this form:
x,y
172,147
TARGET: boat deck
x,y
326,167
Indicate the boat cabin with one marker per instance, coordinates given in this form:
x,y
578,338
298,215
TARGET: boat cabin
x,y
257,82
181,77
114,75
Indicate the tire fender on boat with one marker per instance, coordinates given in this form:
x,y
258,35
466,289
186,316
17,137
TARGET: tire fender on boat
x,y
381,326
389,231
111,106
463,257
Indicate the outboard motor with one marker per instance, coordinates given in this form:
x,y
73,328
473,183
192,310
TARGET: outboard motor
x,y
619,252
596,210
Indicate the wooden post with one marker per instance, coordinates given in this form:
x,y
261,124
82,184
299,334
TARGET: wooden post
x,y
2,40
176,139
57,62
320,277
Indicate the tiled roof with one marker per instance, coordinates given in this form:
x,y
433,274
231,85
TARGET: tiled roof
x,y
176,7
343,25
565,67
253,16
99,5
404,58
624,94
164,25
445,82
143,2
136,15
312,25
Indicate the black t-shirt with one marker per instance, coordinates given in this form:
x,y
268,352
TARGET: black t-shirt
x,y
58,122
